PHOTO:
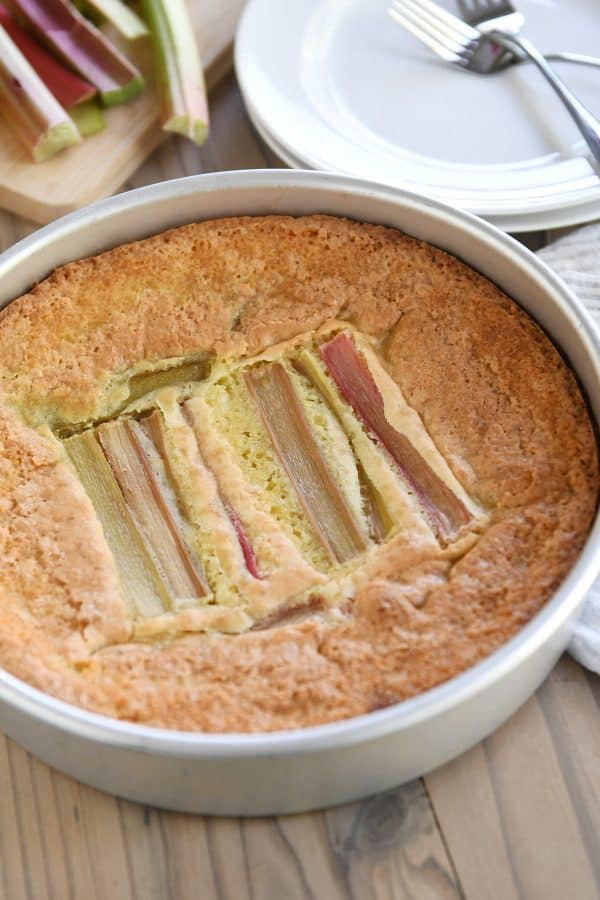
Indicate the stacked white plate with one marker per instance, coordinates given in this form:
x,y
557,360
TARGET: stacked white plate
x,y
337,85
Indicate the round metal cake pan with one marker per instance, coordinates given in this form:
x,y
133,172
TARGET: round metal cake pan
x,y
257,774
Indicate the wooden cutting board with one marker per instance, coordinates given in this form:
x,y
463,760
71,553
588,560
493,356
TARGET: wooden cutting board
x,y
101,164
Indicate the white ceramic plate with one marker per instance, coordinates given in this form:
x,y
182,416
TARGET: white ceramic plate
x,y
536,221
337,85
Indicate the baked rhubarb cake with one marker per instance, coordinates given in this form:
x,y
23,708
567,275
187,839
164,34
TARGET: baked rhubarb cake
x,y
265,473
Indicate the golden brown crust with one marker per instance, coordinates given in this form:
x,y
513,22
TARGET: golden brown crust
x,y
494,394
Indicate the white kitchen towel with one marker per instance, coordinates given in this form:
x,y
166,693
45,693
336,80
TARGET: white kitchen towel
x,y
576,258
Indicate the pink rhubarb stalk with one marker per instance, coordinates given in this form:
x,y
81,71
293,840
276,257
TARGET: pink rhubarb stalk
x,y
246,547
82,46
446,513
67,87
33,113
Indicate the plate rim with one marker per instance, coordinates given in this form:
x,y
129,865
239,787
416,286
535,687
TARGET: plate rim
x,y
566,217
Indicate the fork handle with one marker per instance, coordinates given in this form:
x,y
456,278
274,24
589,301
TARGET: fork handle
x,y
580,59
588,125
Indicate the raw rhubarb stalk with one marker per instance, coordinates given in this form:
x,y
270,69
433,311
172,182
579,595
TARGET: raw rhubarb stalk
x,y
30,109
249,554
65,85
145,497
89,118
122,17
84,47
141,585
445,511
294,443
180,75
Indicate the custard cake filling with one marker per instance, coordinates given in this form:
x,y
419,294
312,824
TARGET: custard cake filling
x,y
237,494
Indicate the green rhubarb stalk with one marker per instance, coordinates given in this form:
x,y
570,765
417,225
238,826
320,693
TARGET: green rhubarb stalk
x,y
147,382
122,17
84,47
88,117
180,75
143,589
29,107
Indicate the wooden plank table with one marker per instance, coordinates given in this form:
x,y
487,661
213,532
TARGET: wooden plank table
x,y
516,818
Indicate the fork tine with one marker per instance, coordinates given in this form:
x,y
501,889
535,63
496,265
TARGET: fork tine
x,y
442,17
437,30
438,25
451,38
425,37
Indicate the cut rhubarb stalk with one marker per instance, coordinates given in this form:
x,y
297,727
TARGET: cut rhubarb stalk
x,y
145,382
287,426
152,426
30,109
122,17
89,118
67,87
445,512
377,514
150,434
83,47
379,518
249,555
185,107
292,613
130,458
141,585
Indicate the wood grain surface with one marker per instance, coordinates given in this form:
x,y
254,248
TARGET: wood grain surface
x,y
515,818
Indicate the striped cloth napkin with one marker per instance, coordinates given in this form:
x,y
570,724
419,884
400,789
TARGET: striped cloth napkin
x,y
576,258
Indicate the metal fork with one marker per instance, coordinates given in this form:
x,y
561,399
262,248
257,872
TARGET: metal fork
x,y
457,42
492,15
500,15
